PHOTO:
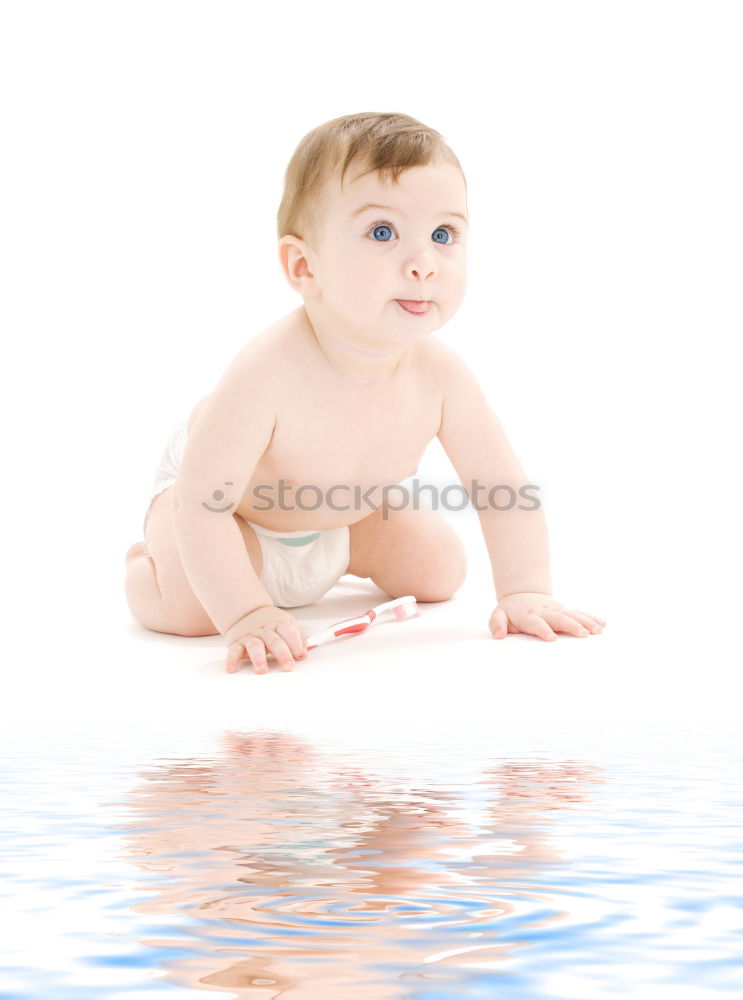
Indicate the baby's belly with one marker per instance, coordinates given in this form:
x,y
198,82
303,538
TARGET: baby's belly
x,y
316,507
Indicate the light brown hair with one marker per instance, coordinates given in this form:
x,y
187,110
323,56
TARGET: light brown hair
x,y
383,141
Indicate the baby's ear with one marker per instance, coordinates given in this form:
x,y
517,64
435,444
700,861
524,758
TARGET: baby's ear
x,y
295,263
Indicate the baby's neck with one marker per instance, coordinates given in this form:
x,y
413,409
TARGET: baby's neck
x,y
358,363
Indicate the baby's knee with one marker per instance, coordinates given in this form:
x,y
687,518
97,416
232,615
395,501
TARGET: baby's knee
x,y
457,561
450,570
424,556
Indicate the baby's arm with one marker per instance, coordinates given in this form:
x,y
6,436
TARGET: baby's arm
x,y
516,535
225,444
477,446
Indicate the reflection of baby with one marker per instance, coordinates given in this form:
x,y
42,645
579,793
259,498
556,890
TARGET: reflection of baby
x,y
319,874
335,404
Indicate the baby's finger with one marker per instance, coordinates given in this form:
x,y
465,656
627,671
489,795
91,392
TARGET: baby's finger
x,y
293,637
256,653
499,624
235,653
562,621
539,627
280,650
588,620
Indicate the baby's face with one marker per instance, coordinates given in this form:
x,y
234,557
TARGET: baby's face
x,y
369,258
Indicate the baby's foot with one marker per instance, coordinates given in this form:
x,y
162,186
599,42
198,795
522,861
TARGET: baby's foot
x,y
138,549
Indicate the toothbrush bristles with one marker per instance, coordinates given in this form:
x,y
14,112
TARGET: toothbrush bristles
x,y
405,611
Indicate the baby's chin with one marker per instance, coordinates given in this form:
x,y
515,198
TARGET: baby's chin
x,y
421,322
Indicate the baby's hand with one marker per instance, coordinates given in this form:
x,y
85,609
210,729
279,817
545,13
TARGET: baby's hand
x,y
265,630
535,613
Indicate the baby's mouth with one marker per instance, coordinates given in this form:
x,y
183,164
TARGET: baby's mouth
x,y
418,308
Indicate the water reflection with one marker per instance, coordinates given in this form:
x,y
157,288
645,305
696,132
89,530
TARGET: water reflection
x,y
307,873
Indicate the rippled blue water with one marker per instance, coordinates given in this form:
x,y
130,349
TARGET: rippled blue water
x,y
274,866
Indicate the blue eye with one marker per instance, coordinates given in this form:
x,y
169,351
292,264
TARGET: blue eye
x,y
441,230
383,226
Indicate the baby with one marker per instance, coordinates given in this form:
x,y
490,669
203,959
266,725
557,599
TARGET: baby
x,y
284,477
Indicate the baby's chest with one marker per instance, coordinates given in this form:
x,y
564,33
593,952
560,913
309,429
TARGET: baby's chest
x,y
357,444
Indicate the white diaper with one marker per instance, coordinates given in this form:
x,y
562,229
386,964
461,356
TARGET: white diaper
x,y
299,567
170,459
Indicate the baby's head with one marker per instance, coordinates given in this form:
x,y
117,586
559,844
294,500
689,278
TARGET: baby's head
x,y
352,265
385,143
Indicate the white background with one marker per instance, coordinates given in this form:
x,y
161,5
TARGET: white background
x,y
144,152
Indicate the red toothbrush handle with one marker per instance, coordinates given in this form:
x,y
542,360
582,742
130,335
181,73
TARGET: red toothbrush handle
x,y
351,628
358,627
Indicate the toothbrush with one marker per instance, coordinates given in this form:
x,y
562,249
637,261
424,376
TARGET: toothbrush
x,y
402,608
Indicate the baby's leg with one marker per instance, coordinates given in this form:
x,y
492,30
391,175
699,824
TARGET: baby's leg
x,y
410,552
157,588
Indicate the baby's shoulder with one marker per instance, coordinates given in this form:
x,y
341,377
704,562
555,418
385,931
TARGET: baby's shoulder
x,y
264,359
252,373
434,353
437,361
